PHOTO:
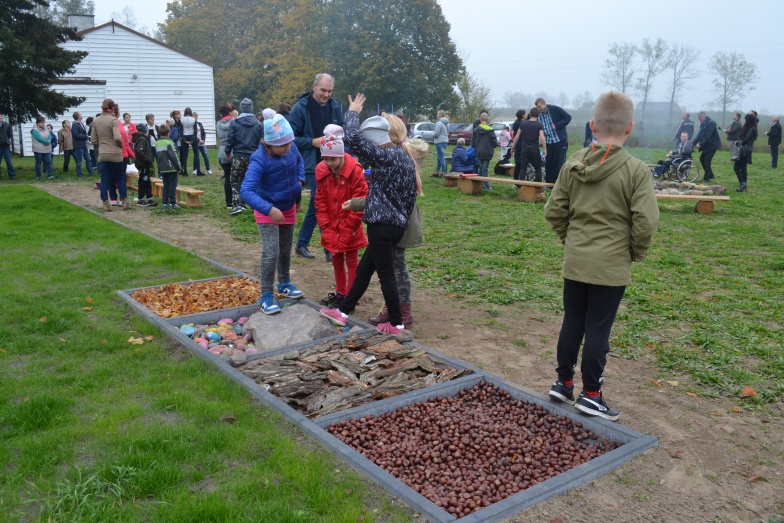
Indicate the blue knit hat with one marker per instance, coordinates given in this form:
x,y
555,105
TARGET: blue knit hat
x,y
277,131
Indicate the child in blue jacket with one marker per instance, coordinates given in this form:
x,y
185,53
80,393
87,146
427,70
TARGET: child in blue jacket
x,y
272,185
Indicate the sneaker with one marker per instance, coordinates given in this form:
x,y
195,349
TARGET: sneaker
x,y
302,250
151,203
561,392
269,305
596,407
165,206
332,300
194,171
236,210
209,172
142,203
335,316
174,206
328,256
288,290
389,328
51,177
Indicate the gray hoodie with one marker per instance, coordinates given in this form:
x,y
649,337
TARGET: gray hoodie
x,y
441,134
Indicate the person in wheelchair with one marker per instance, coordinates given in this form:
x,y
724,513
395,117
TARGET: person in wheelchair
x,y
675,157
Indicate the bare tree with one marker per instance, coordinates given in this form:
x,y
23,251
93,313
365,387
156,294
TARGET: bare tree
x,y
654,62
518,100
583,101
126,17
474,96
562,99
680,63
618,71
734,76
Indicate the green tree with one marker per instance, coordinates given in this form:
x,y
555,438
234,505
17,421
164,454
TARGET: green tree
x,y
734,77
29,65
618,71
474,96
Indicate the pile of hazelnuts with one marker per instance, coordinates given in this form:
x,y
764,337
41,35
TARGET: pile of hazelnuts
x,y
468,451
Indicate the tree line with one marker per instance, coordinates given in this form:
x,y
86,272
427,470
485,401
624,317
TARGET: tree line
x,y
635,68
398,53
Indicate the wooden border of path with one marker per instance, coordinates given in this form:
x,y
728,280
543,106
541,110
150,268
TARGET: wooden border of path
x,y
530,192
704,203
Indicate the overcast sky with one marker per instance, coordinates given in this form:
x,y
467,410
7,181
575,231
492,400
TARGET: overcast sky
x,y
559,47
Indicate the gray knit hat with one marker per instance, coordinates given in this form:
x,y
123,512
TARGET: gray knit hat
x,y
246,106
376,130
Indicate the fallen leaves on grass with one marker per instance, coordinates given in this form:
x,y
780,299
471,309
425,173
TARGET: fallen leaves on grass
x,y
737,410
3,350
677,454
174,299
135,341
89,300
63,340
43,319
673,383
747,392
655,382
692,394
87,308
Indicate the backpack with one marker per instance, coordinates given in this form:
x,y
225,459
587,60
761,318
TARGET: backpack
x,y
471,154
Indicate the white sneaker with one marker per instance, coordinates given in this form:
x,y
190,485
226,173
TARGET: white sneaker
x,y
209,172
194,171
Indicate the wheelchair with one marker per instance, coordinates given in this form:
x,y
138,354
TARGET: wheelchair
x,y
684,170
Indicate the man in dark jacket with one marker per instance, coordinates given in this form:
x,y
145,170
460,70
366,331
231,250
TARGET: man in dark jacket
x,y
313,111
708,142
484,141
686,126
80,152
774,140
554,121
244,138
5,147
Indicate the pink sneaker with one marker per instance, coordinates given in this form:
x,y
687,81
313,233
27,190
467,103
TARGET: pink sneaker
x,y
335,316
389,328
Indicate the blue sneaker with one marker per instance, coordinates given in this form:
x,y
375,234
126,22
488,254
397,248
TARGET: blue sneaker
x,y
287,290
269,305
165,206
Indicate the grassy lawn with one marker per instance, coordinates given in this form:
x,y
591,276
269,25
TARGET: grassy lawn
x,y
93,428
96,429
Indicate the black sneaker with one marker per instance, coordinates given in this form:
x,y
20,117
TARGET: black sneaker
x,y
596,407
561,392
329,301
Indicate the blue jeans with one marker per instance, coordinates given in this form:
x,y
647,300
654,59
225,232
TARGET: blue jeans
x,y
483,165
5,154
203,151
440,160
112,174
82,154
46,159
187,143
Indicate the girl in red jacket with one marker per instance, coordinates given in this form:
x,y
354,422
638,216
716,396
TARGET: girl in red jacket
x,y
339,178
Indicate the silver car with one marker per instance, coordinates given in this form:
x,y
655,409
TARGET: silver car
x,y
423,130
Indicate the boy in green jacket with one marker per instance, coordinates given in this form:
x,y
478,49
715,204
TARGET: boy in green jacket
x,y
604,210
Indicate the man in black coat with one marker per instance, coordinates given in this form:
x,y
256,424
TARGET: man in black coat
x,y
708,142
554,120
774,140
686,126
6,134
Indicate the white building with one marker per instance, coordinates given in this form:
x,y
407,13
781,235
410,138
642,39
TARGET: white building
x,y
140,74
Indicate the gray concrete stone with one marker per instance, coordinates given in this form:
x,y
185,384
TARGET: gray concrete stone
x,y
294,325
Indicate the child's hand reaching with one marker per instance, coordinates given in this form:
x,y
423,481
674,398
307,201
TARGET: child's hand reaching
x,y
346,205
357,103
275,215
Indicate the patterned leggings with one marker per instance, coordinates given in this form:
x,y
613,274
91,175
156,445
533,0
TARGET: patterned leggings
x,y
239,166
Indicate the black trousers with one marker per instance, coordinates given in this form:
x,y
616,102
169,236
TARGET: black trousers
x,y
706,157
530,156
145,185
774,156
589,313
379,256
227,182
740,167
556,157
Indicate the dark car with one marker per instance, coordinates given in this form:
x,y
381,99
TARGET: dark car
x,y
462,131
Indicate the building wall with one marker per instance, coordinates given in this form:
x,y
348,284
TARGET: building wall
x,y
142,76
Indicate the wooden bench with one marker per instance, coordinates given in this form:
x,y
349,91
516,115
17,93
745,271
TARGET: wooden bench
x,y
450,180
187,196
530,192
704,202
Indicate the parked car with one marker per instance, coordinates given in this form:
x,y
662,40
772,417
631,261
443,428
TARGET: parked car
x,y
463,131
423,130
499,126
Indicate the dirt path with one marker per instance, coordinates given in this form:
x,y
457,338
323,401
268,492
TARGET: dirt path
x,y
712,463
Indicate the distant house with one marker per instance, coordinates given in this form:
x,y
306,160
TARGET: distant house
x,y
140,74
